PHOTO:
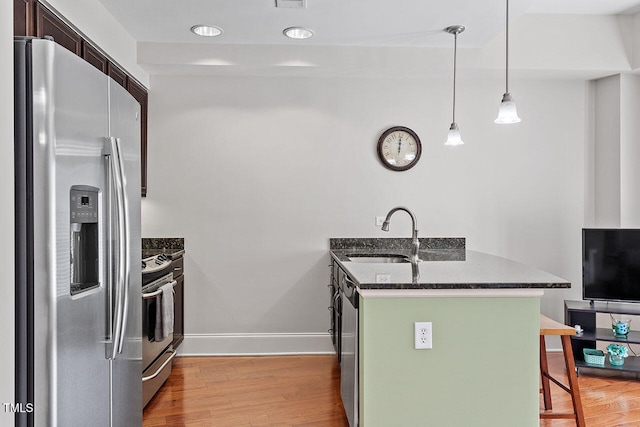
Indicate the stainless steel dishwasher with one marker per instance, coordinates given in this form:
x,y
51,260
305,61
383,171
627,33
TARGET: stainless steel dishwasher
x,y
349,346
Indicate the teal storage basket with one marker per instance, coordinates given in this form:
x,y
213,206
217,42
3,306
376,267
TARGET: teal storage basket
x,y
593,356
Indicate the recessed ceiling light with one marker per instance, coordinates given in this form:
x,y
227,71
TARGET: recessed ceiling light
x,y
298,33
206,30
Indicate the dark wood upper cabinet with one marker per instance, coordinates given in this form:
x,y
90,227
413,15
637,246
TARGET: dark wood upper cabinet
x,y
47,24
141,95
94,57
117,74
24,18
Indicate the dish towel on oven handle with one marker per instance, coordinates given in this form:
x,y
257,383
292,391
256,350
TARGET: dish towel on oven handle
x,y
164,312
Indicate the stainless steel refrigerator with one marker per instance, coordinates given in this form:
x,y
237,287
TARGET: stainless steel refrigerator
x,y
78,246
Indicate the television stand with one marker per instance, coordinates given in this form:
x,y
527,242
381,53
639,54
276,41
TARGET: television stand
x,y
583,313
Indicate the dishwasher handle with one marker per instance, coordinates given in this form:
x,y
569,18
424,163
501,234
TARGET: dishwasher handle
x,y
349,285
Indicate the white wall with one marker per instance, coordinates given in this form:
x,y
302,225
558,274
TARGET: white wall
x,y
629,151
616,176
607,152
6,213
257,173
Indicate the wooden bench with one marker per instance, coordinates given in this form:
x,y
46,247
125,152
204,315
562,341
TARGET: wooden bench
x,y
551,327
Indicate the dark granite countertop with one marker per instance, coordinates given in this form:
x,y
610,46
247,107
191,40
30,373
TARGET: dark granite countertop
x,y
445,264
172,254
173,247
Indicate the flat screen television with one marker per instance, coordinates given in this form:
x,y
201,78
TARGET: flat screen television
x,y
611,264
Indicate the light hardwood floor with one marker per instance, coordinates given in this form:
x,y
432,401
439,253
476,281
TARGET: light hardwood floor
x,y
305,391
609,399
249,391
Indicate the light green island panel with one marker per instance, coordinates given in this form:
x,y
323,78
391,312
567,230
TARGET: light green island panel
x,y
483,369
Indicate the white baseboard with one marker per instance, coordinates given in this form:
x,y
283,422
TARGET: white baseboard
x,y
255,344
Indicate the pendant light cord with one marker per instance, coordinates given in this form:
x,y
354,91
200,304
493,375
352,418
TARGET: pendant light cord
x,y
455,30
507,50
455,55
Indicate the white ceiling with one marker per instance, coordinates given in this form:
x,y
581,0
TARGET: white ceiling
x,y
379,38
340,22
585,7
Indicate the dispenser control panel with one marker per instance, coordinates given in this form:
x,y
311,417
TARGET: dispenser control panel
x,y
84,240
84,206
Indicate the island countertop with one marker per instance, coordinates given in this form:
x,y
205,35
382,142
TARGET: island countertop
x,y
445,264
465,296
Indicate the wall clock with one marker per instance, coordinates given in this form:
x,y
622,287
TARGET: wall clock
x,y
399,148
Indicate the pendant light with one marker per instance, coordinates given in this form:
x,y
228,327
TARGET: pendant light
x,y
507,113
453,137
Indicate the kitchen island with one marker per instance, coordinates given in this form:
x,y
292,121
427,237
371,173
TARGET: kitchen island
x,y
482,369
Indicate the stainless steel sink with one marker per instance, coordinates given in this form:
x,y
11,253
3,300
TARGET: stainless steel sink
x,y
378,258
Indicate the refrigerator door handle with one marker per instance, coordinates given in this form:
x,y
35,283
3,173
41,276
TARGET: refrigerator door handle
x,y
110,202
126,248
122,271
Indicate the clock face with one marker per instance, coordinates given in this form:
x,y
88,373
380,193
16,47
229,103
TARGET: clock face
x,y
399,148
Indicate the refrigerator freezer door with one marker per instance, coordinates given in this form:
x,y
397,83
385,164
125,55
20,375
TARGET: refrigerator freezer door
x,y
124,128
70,120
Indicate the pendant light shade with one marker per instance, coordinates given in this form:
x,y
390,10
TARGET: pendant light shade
x,y
453,137
507,113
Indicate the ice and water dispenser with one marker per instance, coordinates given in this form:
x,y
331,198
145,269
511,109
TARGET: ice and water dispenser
x,y
84,238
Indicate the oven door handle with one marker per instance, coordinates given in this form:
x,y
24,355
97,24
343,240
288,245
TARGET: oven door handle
x,y
149,295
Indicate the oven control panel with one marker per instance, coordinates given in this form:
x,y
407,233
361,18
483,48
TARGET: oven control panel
x,y
155,264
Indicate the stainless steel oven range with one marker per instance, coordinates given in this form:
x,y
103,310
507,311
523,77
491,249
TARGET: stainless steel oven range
x,y
157,350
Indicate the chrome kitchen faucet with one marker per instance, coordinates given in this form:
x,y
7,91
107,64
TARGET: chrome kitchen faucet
x,y
415,244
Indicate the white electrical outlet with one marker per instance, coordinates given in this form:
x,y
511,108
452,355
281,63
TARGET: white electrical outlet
x,y
379,221
423,335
